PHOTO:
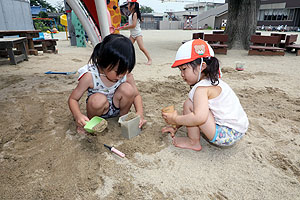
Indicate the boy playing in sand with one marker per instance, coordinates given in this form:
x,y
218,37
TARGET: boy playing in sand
x,y
110,85
212,106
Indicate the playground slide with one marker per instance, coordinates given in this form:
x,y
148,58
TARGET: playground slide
x,y
113,13
86,21
63,20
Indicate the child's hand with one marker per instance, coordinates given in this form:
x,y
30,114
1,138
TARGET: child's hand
x,y
170,117
169,129
142,122
81,120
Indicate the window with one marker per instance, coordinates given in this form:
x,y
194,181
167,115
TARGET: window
x,y
276,15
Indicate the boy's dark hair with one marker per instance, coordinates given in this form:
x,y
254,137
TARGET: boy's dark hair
x,y
136,10
115,49
211,71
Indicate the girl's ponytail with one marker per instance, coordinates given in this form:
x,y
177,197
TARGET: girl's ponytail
x,y
96,54
212,69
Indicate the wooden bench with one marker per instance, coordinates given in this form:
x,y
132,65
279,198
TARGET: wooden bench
x,y
265,45
218,32
29,34
282,38
7,46
46,45
199,35
290,44
217,42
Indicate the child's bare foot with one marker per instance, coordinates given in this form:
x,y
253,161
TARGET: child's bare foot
x,y
186,143
81,131
149,62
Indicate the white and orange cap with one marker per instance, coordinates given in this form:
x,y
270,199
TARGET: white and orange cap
x,y
192,50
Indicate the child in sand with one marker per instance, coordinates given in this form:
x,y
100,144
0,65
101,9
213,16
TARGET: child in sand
x,y
212,106
135,28
107,79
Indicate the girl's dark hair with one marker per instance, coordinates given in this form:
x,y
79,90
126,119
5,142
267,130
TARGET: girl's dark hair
x,y
136,9
211,71
115,49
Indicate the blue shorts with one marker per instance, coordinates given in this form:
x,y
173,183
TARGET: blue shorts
x,y
225,136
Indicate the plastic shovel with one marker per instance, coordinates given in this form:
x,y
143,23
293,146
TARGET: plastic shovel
x,y
63,73
92,123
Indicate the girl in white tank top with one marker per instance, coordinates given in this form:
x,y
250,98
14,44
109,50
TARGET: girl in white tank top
x,y
135,28
212,106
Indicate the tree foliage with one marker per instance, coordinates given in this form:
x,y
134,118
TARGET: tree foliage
x,y
146,9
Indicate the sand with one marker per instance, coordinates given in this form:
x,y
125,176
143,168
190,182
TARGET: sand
x,y
100,126
42,156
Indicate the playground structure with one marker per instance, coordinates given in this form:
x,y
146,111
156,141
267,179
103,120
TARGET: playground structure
x,y
64,22
50,22
95,17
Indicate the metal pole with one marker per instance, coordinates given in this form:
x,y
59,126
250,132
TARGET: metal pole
x,y
101,8
198,16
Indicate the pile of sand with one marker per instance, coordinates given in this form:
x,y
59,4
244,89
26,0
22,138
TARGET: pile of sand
x,y
42,156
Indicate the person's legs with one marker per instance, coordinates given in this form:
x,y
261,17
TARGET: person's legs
x,y
139,40
123,98
131,39
193,139
97,105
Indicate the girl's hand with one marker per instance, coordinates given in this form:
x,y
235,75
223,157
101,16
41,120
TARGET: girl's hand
x,y
169,129
170,118
81,120
142,121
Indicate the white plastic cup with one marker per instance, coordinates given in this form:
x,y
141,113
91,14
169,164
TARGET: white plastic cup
x,y
130,128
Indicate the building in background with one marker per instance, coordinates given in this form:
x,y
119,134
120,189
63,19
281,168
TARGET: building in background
x,y
15,15
35,10
279,12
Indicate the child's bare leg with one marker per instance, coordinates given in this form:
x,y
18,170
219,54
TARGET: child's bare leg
x,y
124,97
132,39
140,42
193,139
97,105
190,142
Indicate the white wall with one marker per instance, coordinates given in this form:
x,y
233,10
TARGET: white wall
x,y
170,25
15,15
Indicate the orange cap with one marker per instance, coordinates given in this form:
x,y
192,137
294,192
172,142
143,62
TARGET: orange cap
x,y
192,50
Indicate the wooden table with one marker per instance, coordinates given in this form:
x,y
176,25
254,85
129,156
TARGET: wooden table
x,y
29,34
7,45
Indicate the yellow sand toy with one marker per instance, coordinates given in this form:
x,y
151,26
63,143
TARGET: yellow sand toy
x,y
64,22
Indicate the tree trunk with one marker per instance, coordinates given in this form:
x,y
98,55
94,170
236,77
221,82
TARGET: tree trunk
x,y
241,23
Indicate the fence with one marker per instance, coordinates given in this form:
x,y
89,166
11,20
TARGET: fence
x,y
150,25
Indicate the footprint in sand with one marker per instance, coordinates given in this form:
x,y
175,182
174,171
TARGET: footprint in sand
x,y
282,162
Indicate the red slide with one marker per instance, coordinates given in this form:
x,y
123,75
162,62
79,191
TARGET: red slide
x,y
91,8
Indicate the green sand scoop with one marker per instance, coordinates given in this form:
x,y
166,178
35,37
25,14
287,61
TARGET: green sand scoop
x,y
96,124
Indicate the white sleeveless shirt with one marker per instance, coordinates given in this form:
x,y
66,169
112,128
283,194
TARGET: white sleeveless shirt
x,y
99,86
226,108
136,31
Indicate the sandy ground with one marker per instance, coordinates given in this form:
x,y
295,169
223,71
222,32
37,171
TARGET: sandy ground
x,y
42,157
